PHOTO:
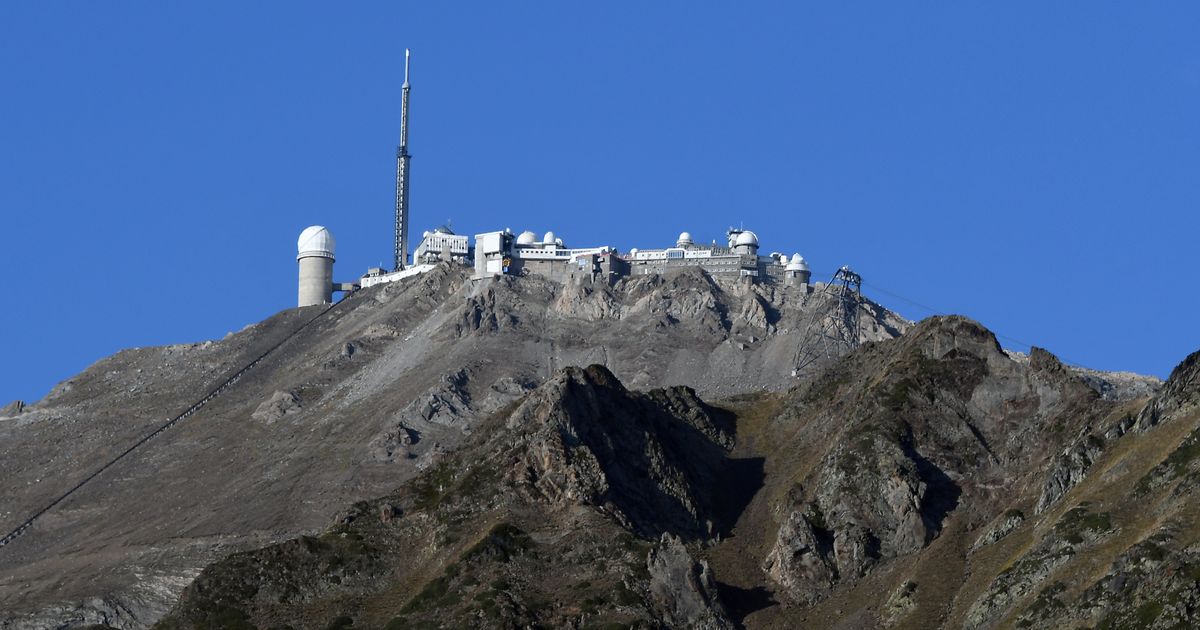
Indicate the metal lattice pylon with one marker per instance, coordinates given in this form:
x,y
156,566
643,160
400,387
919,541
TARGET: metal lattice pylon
x,y
832,328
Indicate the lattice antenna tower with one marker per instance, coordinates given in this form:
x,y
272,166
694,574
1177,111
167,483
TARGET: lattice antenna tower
x,y
402,175
832,329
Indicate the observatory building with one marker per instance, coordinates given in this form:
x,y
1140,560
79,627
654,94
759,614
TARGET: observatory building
x,y
501,252
442,244
739,256
315,257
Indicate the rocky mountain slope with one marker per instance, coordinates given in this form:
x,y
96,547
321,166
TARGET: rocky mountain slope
x,y
426,455
929,481
355,403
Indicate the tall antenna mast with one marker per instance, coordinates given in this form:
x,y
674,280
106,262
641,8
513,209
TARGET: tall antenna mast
x,y
402,160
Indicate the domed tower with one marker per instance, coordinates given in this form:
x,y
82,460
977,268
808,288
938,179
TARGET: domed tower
x,y
746,243
685,240
797,271
315,256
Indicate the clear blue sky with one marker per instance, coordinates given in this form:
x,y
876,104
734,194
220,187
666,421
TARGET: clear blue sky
x,y
1035,167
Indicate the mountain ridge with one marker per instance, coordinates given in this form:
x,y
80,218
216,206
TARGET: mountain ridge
x,y
402,378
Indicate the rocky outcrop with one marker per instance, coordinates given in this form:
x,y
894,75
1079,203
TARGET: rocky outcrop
x,y
650,460
1077,530
1007,524
12,409
280,404
1153,584
899,604
449,403
802,561
684,589
1179,395
931,410
1069,468
1111,386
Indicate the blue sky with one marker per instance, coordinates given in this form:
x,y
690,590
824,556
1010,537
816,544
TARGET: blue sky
x,y
1032,165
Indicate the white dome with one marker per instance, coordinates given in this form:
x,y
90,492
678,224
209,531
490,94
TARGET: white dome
x,y
797,264
527,238
558,241
316,240
548,239
684,237
746,238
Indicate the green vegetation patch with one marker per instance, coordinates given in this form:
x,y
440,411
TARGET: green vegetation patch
x,y
897,397
430,597
504,541
1175,465
1078,522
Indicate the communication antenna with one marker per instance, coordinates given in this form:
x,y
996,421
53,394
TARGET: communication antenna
x,y
832,329
402,166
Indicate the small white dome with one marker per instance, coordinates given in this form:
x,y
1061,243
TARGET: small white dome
x,y
558,241
548,239
633,251
684,238
797,263
527,238
746,238
315,240
425,234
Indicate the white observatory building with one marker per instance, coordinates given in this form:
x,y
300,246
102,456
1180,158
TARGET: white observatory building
x,y
315,257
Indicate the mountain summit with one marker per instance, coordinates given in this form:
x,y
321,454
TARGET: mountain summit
x,y
433,453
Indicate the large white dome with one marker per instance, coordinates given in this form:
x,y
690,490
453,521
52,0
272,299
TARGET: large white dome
x,y
684,238
527,238
315,240
746,238
548,239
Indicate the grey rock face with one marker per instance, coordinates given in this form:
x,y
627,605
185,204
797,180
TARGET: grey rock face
x,y
802,561
1069,468
276,407
649,459
899,604
1008,523
1179,395
684,589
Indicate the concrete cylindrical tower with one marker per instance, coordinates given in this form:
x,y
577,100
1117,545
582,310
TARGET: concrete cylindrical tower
x,y
797,271
315,256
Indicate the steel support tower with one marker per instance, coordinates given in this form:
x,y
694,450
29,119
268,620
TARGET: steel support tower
x,y
402,175
832,329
